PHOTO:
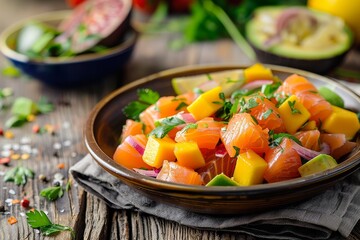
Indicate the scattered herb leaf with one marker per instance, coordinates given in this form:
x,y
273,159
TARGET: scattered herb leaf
x,y
52,193
39,220
18,175
44,106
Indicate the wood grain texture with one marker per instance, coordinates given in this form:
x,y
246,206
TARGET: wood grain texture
x,y
90,217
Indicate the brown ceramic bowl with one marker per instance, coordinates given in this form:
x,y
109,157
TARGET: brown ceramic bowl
x,y
104,127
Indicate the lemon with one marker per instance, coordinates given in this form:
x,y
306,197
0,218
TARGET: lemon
x,y
345,9
229,80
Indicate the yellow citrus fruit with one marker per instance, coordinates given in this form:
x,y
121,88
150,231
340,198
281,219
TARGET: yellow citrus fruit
x,y
345,9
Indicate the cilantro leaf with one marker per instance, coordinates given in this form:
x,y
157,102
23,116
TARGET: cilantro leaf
x,y
39,220
188,126
165,126
18,175
146,97
52,193
269,89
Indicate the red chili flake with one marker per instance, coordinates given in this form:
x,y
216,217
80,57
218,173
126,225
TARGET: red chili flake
x,y
12,220
25,202
4,160
1,132
61,166
36,128
8,134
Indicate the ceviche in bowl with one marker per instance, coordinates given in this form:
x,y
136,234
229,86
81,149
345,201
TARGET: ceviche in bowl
x,y
228,139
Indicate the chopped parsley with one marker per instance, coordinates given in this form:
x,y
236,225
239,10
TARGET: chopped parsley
x,y
266,114
292,107
165,126
237,151
245,106
181,105
269,89
189,126
276,138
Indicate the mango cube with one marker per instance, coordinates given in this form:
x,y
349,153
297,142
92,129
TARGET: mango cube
x,y
157,150
293,113
310,125
342,121
249,169
206,104
257,72
319,163
188,155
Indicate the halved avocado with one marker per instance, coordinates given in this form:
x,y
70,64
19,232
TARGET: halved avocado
x,y
312,51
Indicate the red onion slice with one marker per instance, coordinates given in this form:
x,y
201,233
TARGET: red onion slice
x,y
186,117
220,151
256,84
149,173
208,85
310,154
130,140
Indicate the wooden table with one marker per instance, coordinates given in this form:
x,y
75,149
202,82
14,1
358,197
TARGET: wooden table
x,y
89,216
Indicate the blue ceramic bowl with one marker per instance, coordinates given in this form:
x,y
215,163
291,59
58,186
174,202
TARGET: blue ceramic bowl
x,y
67,71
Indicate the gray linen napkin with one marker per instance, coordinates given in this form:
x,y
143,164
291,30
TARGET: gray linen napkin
x,y
326,216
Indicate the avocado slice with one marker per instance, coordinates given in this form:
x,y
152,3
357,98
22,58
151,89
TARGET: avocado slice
x,y
221,180
319,163
332,97
305,49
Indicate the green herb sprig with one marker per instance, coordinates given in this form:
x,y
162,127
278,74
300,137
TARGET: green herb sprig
x,y
52,193
19,175
39,220
165,126
146,97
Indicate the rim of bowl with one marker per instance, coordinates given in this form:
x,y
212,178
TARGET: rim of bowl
x,y
109,164
129,40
